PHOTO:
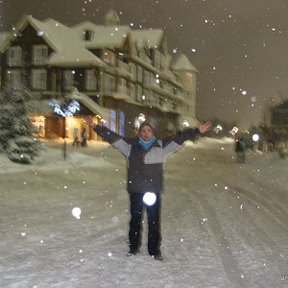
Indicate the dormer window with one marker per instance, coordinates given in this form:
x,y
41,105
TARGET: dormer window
x,y
88,35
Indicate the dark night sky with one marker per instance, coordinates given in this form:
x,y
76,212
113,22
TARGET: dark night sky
x,y
240,47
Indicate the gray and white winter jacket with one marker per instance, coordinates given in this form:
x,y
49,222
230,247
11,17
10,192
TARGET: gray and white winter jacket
x,y
145,167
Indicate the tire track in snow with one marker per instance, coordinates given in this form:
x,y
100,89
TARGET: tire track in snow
x,y
278,213
229,261
259,242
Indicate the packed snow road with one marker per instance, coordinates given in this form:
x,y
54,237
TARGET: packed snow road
x,y
223,224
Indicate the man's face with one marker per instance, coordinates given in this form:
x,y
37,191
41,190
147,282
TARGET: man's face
x,y
146,133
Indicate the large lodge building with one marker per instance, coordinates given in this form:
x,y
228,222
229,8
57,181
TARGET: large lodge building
x,y
119,75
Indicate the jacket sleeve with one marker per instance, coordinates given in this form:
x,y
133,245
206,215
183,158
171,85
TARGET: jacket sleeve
x,y
114,139
107,134
186,134
182,136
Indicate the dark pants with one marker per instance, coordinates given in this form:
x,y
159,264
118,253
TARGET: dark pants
x,y
153,214
240,156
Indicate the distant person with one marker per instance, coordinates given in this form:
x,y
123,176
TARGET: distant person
x,y
240,147
146,156
76,141
84,136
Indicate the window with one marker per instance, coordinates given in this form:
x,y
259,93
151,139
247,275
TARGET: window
x,y
122,124
91,80
133,68
14,78
147,77
14,56
157,56
139,93
146,96
132,90
162,62
109,57
40,55
112,122
88,35
109,83
39,79
68,80
152,98
139,73
122,87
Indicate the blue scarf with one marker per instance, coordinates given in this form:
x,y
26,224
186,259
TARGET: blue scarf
x,y
147,144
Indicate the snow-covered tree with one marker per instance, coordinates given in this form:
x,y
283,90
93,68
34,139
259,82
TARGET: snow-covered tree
x,y
16,129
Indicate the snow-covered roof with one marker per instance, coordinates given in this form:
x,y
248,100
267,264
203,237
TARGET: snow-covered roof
x,y
102,36
147,38
71,49
182,63
67,49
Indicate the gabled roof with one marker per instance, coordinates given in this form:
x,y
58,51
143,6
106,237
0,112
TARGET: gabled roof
x,y
147,38
103,36
68,50
182,63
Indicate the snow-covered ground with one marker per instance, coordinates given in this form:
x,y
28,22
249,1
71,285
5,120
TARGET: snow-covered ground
x,y
223,224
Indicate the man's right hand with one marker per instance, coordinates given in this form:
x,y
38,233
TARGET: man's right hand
x,y
90,122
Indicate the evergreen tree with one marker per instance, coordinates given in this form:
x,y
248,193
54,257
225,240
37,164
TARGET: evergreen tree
x,y
16,129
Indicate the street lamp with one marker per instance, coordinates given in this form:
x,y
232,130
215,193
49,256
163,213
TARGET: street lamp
x,y
65,110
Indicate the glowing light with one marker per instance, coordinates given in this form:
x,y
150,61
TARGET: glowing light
x,y
234,130
149,198
76,212
141,117
218,129
66,110
185,123
255,137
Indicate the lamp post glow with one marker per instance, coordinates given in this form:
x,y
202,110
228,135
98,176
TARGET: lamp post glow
x,y
65,110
